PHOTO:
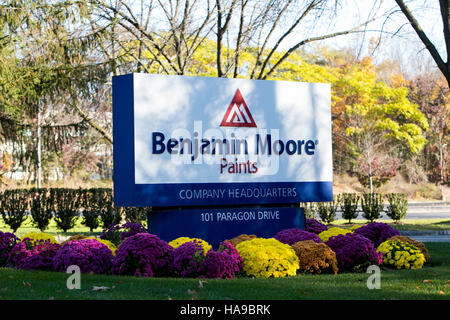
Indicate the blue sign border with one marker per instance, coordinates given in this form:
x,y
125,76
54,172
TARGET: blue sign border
x,y
128,193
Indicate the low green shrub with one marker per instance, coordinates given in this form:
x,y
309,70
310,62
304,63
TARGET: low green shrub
x,y
91,214
372,205
327,211
349,205
310,209
67,204
42,205
398,205
135,214
109,215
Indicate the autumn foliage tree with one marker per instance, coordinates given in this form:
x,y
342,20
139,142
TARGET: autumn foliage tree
x,y
382,124
431,93
374,123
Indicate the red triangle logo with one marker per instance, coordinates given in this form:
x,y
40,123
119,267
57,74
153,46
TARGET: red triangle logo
x,y
238,114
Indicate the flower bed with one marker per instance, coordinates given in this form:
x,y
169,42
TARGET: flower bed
x,y
419,245
187,259
223,264
190,260
111,246
243,237
289,252
31,254
315,226
36,236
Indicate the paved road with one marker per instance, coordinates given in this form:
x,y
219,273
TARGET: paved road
x,y
437,238
422,210
432,210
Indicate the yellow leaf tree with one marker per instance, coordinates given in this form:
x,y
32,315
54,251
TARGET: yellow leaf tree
x,y
382,123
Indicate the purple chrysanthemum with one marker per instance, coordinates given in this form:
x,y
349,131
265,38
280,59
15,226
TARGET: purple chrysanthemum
x,y
293,235
132,228
89,255
377,232
143,254
227,247
187,259
224,263
31,254
353,251
314,226
7,242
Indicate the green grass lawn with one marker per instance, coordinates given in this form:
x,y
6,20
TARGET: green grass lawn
x,y
395,284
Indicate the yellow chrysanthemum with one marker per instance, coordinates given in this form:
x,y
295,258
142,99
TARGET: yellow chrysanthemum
x,y
401,255
40,236
335,231
354,227
263,258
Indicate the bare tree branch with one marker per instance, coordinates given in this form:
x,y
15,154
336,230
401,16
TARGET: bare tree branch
x,y
443,66
311,5
268,36
312,39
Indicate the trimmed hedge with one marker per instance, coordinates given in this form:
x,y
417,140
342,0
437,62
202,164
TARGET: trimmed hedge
x,y
394,205
64,205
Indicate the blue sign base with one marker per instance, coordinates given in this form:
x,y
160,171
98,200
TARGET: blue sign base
x,y
217,224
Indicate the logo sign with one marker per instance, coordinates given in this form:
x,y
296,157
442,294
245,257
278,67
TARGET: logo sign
x,y
196,141
238,114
